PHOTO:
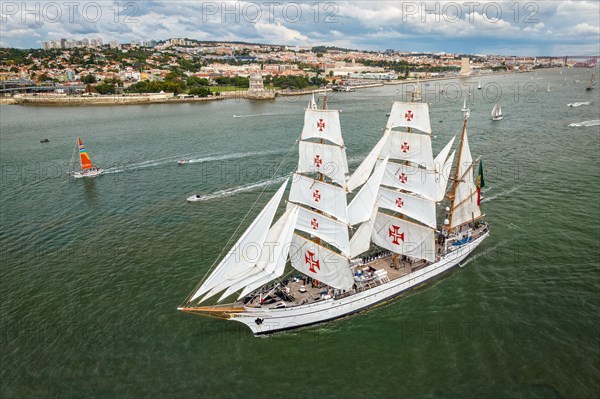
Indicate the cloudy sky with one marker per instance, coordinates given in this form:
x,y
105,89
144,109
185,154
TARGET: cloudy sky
x,y
476,27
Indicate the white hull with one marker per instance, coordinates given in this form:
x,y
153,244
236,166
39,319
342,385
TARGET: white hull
x,y
497,118
87,173
264,320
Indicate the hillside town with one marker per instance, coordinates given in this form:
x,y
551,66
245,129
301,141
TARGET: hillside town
x,y
188,67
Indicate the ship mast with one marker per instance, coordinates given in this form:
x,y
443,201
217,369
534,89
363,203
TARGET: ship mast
x,y
401,216
456,179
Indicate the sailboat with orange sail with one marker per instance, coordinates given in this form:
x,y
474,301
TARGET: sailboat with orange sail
x,y
87,168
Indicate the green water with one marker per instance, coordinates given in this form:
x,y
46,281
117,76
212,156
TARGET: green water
x,y
93,269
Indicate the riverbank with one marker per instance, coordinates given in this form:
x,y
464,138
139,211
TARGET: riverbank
x,y
63,100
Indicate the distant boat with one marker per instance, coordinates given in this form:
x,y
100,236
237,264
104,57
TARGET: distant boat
x,y
479,85
548,89
194,198
87,168
464,108
343,88
44,141
497,112
590,86
183,161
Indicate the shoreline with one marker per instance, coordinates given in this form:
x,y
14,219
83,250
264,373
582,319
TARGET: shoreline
x,y
53,100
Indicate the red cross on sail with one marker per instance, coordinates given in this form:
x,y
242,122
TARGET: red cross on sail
x,y
399,202
316,195
320,125
405,147
314,223
309,258
318,161
403,178
395,234
409,115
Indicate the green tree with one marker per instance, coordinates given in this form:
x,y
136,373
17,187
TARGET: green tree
x,y
89,79
200,91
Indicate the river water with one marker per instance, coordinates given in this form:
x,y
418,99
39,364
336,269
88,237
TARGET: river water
x,y
93,269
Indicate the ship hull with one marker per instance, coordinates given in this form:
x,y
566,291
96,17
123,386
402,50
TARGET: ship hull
x,y
265,321
88,173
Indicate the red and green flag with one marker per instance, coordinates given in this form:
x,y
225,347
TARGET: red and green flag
x,y
480,182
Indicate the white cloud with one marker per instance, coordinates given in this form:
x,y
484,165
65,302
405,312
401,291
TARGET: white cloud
x,y
280,34
586,29
363,24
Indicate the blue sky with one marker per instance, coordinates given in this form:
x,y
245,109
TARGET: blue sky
x,y
476,27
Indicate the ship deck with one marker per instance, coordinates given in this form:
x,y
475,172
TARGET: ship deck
x,y
300,289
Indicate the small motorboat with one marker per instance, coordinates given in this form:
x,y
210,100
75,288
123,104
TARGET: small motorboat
x,y
45,141
194,198
183,161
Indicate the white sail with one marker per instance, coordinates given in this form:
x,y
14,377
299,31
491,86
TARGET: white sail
x,y
322,226
323,158
413,206
319,195
362,204
465,197
243,256
361,174
273,256
413,115
403,237
361,239
410,178
497,111
320,263
312,104
442,177
466,212
440,159
322,124
411,147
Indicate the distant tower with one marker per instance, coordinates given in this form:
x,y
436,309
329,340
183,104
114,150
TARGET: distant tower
x,y
257,88
256,82
465,66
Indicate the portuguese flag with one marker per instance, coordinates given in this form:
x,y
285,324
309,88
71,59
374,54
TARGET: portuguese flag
x,y
480,182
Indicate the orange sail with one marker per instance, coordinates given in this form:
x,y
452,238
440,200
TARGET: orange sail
x,y
86,163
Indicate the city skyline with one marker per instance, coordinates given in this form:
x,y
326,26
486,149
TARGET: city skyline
x,y
546,28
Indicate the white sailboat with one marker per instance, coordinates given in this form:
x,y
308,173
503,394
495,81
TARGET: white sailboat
x,y
479,85
396,242
497,112
548,89
590,86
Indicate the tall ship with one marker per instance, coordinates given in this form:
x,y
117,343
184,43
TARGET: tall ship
x,y
87,167
346,242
